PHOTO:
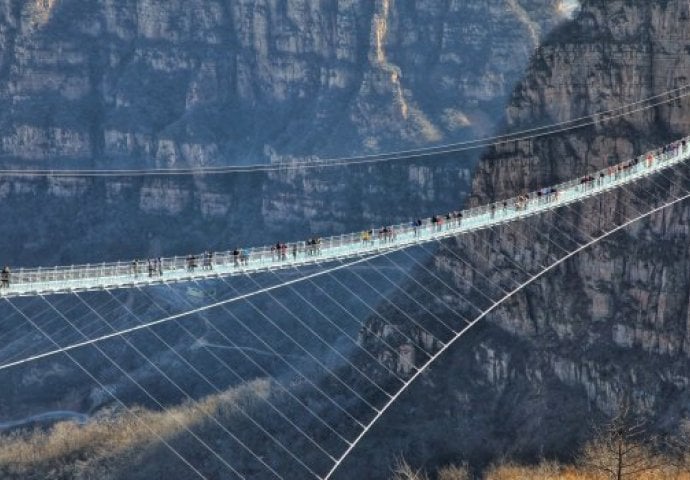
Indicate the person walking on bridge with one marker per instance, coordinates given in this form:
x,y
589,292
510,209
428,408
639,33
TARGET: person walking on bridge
x,y
191,263
208,260
554,194
5,277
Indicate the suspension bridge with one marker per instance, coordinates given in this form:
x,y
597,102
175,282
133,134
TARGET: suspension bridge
x,y
199,266
332,432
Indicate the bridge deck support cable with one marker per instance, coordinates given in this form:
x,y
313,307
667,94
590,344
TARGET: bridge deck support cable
x,y
361,323
111,394
242,379
265,372
243,412
159,403
376,312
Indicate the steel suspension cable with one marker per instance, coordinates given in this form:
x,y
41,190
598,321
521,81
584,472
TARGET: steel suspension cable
x,y
376,313
558,127
216,388
149,394
386,299
262,369
487,312
362,324
410,297
445,284
110,393
326,369
340,329
289,365
56,333
241,378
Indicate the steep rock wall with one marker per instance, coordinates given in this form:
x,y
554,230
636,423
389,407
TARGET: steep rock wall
x,y
209,81
609,325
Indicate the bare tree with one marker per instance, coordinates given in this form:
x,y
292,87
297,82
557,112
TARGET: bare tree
x,y
403,471
620,448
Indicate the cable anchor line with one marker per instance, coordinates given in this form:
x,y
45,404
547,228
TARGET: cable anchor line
x,y
493,307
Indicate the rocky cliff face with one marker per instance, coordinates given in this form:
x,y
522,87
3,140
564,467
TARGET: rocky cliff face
x,y
610,324
142,83
208,82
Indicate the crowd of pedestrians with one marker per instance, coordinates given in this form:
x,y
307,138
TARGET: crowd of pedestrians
x,y
282,252
154,267
313,246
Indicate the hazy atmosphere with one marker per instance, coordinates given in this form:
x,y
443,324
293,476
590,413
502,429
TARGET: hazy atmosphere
x,y
373,239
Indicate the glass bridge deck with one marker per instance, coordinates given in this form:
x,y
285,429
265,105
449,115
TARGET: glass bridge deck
x,y
65,279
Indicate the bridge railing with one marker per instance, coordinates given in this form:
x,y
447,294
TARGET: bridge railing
x,y
180,267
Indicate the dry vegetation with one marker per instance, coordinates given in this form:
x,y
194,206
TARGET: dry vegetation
x,y
551,471
621,450
123,434
544,471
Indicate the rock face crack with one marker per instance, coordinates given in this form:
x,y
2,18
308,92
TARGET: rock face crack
x,y
380,33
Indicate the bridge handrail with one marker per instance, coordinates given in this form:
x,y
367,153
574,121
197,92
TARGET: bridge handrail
x,y
267,255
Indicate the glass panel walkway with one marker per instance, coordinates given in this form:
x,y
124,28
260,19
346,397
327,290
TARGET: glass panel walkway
x,y
28,282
